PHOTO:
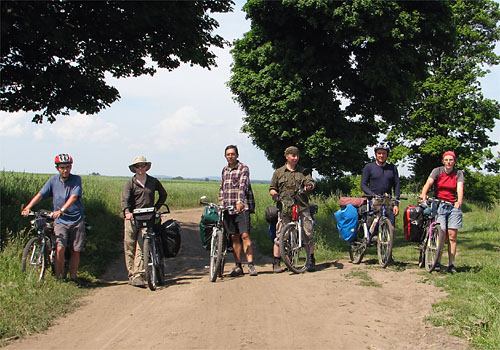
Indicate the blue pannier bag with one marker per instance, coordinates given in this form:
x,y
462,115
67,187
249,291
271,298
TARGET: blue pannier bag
x,y
347,221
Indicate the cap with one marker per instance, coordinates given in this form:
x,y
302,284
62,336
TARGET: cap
x,y
292,150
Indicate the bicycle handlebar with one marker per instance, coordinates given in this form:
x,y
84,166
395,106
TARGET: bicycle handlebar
x,y
216,206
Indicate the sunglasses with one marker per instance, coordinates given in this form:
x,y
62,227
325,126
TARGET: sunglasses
x,y
143,165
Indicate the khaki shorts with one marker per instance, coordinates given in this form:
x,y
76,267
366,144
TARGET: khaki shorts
x,y
71,235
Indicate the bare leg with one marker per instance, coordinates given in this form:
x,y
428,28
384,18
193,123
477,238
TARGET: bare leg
x,y
59,263
74,262
452,245
247,247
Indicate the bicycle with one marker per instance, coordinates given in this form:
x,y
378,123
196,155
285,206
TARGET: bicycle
x,y
152,251
219,241
433,236
380,227
294,250
39,253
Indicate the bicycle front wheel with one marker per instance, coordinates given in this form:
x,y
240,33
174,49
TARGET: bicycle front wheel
x,y
295,256
433,248
216,254
151,272
357,248
35,258
385,241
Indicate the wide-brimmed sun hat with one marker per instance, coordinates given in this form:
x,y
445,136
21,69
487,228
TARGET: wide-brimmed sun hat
x,y
138,160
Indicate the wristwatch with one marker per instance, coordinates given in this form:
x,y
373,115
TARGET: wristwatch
x,y
62,210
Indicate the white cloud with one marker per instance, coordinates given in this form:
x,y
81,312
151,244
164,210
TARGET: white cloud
x,y
12,124
84,128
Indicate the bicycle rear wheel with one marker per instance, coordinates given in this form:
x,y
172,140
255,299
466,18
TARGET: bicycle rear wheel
x,y
35,258
151,272
296,257
434,247
357,248
385,241
216,254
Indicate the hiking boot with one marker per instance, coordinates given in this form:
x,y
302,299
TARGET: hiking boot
x,y
277,267
251,270
312,263
138,282
237,271
452,269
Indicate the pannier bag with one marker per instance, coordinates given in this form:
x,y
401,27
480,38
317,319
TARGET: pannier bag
x,y
209,215
354,201
206,234
272,214
171,238
208,220
347,222
413,222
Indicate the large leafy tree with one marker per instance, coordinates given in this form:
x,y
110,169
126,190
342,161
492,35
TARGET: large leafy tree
x,y
55,54
328,76
450,112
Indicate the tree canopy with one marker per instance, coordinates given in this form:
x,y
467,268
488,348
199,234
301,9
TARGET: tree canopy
x,y
450,112
332,77
55,54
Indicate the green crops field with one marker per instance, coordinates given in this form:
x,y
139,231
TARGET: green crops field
x,y
472,309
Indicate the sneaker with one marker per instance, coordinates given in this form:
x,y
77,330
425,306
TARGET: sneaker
x,y
237,271
452,269
277,267
251,270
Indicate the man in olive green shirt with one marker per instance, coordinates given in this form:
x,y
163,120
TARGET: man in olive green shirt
x,y
286,180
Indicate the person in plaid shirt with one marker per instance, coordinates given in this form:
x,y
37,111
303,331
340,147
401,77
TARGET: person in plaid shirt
x,y
236,190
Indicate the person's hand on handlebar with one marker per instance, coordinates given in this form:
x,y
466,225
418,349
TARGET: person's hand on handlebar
x,y
128,216
308,187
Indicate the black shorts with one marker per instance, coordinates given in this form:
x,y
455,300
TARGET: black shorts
x,y
237,224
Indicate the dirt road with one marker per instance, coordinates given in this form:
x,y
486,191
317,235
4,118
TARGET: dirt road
x,y
325,309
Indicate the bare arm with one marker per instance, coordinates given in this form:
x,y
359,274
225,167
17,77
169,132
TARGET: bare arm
x,y
38,197
71,200
426,188
460,195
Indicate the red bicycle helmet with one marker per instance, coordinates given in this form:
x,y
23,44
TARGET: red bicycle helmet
x,y
63,159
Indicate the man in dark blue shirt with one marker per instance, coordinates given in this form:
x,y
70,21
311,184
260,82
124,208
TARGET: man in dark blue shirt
x,y
69,229
381,177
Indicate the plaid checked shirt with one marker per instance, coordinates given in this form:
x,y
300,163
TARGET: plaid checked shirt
x,y
235,187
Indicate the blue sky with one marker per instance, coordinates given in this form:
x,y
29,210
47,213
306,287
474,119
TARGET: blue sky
x,y
180,120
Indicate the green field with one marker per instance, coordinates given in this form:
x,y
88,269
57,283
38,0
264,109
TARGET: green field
x,y
472,310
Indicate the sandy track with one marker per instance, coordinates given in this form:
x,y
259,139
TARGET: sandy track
x,y
325,309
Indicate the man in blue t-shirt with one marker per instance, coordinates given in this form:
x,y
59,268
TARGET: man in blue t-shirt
x,y
381,178
69,229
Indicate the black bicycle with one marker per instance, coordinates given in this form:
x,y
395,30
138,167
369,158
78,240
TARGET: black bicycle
x,y
380,227
39,253
219,242
152,247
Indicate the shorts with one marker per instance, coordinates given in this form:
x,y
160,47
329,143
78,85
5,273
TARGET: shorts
x,y
236,224
449,217
71,235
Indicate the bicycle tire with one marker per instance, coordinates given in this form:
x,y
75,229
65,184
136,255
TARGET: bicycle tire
x,y
385,241
160,258
357,248
291,253
150,271
434,248
35,258
216,254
